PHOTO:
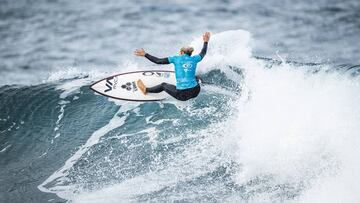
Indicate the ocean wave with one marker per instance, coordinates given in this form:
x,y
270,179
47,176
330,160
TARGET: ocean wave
x,y
261,130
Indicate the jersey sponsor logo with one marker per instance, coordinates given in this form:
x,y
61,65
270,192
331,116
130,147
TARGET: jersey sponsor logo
x,y
130,86
187,66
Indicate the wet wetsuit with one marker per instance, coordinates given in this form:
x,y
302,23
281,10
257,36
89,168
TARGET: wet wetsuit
x,y
187,86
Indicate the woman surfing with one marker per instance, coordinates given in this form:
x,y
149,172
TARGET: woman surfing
x,y
187,86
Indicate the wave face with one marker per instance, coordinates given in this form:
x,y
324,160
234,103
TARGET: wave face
x,y
262,130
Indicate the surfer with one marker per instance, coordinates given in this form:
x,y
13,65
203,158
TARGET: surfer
x,y
187,86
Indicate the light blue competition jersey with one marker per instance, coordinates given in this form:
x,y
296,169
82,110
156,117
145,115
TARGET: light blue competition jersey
x,y
185,70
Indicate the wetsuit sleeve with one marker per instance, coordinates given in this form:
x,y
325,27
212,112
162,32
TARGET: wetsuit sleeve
x,y
157,60
204,50
171,59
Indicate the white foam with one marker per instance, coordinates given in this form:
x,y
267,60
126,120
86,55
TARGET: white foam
x,y
300,128
62,104
72,86
60,174
197,160
13,124
65,73
5,148
229,48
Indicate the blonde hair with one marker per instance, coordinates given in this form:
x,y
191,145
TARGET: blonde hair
x,y
187,50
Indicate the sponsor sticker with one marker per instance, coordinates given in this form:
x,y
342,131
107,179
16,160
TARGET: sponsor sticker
x,y
130,86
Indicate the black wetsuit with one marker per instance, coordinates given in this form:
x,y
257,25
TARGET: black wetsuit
x,y
180,94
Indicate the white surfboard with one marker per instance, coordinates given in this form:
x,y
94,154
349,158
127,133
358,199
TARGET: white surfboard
x,y
123,86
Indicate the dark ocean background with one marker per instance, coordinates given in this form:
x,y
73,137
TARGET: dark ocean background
x,y
278,119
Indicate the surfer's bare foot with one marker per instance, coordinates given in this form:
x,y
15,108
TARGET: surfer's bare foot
x,y
141,86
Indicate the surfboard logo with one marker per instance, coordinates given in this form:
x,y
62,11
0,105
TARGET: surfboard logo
x,y
130,86
111,85
127,86
158,74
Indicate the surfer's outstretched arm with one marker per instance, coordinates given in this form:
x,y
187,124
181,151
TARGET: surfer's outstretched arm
x,y
157,60
206,38
203,50
141,52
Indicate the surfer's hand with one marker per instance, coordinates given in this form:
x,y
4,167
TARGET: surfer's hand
x,y
140,52
206,36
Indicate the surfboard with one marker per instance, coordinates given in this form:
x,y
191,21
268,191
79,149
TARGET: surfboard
x,y
123,86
